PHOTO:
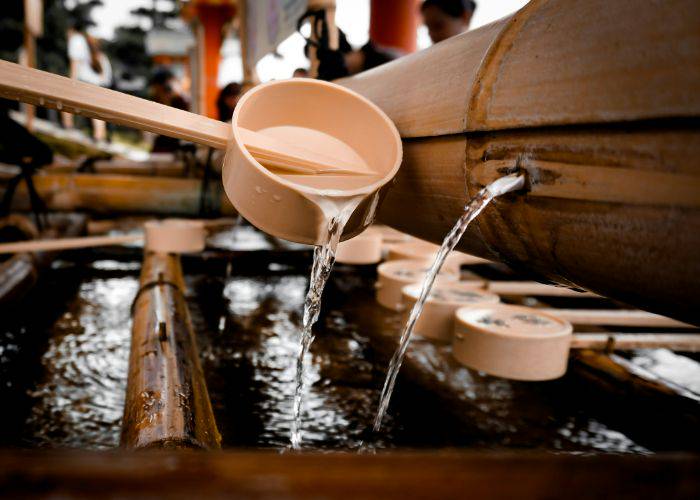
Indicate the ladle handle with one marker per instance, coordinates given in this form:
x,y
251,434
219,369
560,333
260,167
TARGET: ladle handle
x,y
616,317
68,243
64,94
685,342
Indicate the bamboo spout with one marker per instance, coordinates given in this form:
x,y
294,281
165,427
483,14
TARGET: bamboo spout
x,y
613,200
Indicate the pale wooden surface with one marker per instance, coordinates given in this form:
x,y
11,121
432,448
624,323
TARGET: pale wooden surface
x,y
290,157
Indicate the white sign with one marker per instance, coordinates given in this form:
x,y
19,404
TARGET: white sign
x,y
268,23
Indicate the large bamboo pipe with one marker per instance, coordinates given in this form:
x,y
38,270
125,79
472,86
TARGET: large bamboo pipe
x,y
598,101
167,404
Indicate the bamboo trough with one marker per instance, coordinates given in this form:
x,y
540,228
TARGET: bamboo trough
x,y
120,166
600,114
113,194
167,404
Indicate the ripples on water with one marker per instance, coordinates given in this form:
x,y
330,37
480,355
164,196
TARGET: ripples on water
x,y
252,367
79,402
248,331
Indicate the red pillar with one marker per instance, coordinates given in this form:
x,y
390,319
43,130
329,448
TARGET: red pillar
x,y
393,23
212,19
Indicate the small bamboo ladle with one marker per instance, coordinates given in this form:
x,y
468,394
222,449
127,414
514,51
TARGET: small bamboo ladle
x,y
165,236
64,94
49,245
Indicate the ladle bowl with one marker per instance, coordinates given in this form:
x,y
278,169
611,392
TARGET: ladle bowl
x,y
328,119
295,127
515,342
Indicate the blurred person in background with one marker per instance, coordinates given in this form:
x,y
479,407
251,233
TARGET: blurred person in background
x,y
447,18
368,56
90,65
345,61
227,100
163,89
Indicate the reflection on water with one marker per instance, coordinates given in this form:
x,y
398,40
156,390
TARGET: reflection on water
x,y
250,370
75,363
251,366
671,367
80,400
239,237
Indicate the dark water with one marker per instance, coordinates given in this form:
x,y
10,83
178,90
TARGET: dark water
x,y
72,338
64,352
80,399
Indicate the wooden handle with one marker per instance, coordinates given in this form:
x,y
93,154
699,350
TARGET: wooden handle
x,y
616,317
534,288
631,341
64,94
53,91
67,243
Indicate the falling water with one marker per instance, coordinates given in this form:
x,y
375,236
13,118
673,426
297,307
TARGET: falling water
x,y
324,257
472,210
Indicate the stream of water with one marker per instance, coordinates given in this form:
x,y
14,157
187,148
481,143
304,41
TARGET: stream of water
x,y
471,211
324,258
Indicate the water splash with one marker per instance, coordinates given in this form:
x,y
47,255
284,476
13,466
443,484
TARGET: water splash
x,y
471,211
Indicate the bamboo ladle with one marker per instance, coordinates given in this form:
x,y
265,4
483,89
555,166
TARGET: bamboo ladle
x,y
164,236
525,343
49,245
64,94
